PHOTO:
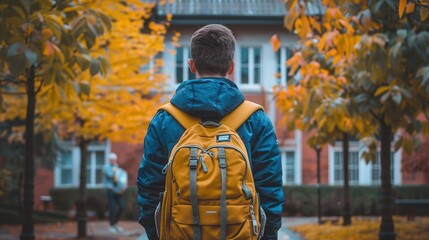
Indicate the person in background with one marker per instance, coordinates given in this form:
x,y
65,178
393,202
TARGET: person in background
x,y
115,182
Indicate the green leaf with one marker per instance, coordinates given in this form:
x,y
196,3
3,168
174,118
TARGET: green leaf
x,y
104,65
402,33
424,74
95,67
85,88
107,21
31,56
15,49
398,143
21,12
17,64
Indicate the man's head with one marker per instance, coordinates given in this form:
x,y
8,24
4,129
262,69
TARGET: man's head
x,y
113,158
212,51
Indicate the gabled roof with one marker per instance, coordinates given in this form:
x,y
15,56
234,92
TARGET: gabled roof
x,y
224,7
241,12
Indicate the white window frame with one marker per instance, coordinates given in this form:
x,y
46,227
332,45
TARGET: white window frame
x,y
93,167
149,67
283,68
251,66
185,57
365,170
103,146
296,147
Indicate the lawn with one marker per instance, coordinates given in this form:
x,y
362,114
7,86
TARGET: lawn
x,y
364,229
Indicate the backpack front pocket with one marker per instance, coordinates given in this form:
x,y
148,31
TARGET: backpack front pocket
x,y
238,222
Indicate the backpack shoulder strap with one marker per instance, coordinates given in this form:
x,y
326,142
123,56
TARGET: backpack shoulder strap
x,y
237,117
184,119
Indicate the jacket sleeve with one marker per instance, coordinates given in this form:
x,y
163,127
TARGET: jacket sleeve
x,y
150,180
267,172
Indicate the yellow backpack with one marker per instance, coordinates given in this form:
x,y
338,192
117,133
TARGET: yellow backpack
x,y
209,188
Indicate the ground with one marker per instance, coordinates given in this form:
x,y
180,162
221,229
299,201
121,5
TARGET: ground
x,y
364,228
293,228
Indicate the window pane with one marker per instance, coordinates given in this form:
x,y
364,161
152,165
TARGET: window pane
x,y
66,176
88,176
99,158
244,56
290,167
338,167
257,56
257,79
98,176
245,75
66,158
179,65
179,75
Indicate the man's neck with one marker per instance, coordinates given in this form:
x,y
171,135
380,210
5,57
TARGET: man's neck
x,y
210,75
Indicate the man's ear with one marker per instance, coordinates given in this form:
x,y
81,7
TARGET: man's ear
x,y
191,64
231,68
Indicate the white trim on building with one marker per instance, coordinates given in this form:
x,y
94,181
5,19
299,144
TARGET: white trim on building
x,y
366,172
68,176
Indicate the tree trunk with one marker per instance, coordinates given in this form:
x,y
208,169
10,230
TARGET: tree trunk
x,y
81,203
346,197
387,229
27,230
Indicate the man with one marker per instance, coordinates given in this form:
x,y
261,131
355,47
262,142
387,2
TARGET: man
x,y
115,182
210,97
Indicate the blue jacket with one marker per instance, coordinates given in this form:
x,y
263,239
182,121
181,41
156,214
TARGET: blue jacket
x,y
211,99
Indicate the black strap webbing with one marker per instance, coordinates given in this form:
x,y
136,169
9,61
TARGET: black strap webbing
x,y
193,162
223,212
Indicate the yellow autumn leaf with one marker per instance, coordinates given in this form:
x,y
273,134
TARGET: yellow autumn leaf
x,y
401,8
275,42
410,7
381,90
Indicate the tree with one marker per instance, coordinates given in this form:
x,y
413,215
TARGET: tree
x,y
387,80
318,104
43,45
120,105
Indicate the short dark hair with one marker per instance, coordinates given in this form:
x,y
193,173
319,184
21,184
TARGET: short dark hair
x,y
212,48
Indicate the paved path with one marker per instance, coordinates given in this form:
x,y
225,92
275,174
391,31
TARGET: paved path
x,y
285,233
98,230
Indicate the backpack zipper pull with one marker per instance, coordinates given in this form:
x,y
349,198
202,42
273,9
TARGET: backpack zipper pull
x,y
202,163
164,170
254,222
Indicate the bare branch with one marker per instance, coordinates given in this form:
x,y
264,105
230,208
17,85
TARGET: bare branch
x,y
375,115
40,86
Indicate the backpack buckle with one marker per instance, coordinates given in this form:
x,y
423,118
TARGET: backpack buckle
x,y
193,163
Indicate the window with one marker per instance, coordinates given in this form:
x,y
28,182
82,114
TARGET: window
x,y
288,157
282,71
183,72
250,65
94,174
360,172
376,169
353,167
67,169
154,66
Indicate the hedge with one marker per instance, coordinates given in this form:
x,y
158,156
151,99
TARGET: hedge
x,y
63,199
300,200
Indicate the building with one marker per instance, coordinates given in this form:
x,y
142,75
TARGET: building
x,y
258,70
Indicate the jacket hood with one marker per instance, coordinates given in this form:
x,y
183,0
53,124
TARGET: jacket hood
x,y
207,98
